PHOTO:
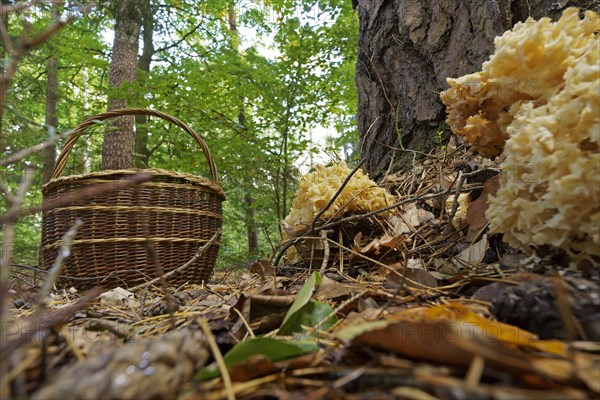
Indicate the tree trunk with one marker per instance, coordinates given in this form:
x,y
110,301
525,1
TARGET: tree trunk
x,y
117,149
142,154
49,154
3,84
251,231
407,49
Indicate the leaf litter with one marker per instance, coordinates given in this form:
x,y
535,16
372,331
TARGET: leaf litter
x,y
420,303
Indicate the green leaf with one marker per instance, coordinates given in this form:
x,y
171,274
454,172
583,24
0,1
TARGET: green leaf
x,y
273,349
309,315
303,296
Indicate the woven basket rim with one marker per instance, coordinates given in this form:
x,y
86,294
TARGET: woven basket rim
x,y
215,186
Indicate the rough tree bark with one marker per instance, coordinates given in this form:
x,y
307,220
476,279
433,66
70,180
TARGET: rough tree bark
x,y
142,153
117,149
49,154
407,49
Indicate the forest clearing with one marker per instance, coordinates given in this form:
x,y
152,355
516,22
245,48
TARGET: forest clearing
x,y
236,199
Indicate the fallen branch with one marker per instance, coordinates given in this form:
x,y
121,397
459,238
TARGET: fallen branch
x,y
179,269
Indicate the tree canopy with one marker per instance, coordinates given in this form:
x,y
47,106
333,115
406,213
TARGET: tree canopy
x,y
252,78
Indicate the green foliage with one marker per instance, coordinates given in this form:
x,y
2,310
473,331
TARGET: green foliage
x,y
305,312
252,94
271,348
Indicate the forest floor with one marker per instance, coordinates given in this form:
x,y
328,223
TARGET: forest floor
x,y
433,307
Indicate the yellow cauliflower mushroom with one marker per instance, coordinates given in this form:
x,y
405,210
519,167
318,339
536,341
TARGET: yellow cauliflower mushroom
x,y
361,194
317,188
528,66
550,191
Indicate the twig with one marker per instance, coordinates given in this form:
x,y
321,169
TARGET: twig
x,y
461,180
40,329
356,217
84,194
25,44
14,205
198,254
335,196
7,9
19,155
325,251
210,338
391,207
338,309
64,252
314,229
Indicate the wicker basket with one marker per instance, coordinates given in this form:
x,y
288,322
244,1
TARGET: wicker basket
x,y
129,234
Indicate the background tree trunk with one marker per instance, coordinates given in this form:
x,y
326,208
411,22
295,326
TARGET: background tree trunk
x,y
117,149
49,154
51,119
142,153
407,49
251,230
3,86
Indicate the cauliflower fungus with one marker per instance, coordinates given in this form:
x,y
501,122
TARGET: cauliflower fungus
x,y
538,98
361,194
317,188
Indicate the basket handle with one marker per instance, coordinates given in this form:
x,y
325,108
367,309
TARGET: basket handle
x,y
78,131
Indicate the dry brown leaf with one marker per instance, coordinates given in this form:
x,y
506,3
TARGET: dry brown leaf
x,y
411,218
445,342
118,297
415,278
587,368
256,365
330,289
476,212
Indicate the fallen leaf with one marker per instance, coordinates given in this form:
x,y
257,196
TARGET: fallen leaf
x,y
411,277
474,254
444,342
330,289
304,295
272,349
118,297
476,212
311,314
587,368
255,366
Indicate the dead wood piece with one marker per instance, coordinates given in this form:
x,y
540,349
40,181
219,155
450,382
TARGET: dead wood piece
x,y
152,368
533,306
